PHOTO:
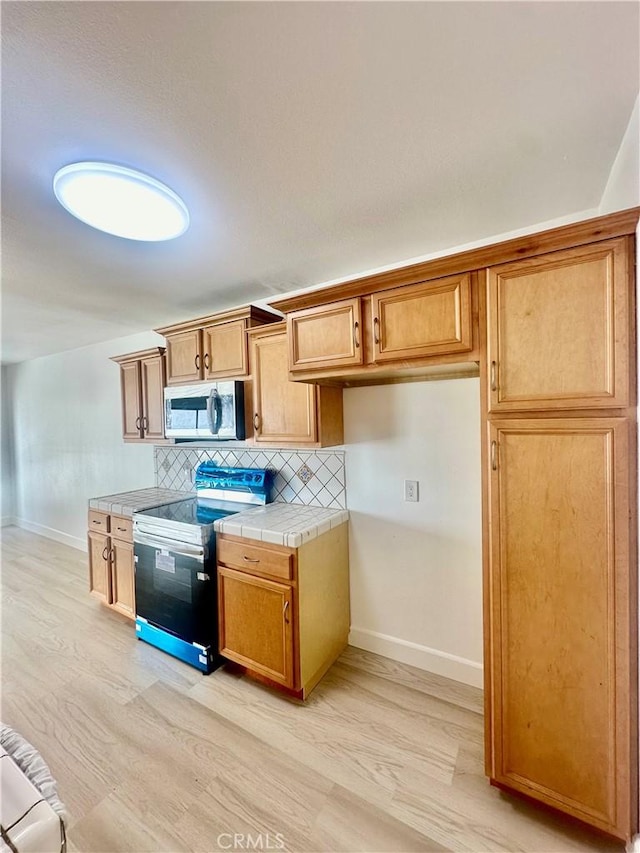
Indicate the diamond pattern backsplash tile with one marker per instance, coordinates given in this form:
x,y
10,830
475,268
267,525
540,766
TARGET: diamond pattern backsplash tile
x,y
302,476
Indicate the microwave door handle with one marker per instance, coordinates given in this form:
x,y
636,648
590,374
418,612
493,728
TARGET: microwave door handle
x,y
214,411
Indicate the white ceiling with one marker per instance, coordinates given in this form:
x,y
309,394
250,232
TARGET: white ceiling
x,y
310,141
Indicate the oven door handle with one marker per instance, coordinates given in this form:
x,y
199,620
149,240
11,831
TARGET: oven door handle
x,y
180,548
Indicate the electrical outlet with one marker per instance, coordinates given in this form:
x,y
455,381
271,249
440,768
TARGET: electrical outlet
x,y
411,490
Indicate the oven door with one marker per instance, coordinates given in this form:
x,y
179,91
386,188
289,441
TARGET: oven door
x,y
175,590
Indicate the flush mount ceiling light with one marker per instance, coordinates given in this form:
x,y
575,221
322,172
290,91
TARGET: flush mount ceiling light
x,y
121,201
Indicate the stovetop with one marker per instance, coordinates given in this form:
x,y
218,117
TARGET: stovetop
x,y
220,492
192,511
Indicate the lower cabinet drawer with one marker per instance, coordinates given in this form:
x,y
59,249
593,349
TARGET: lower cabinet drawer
x,y
122,528
255,559
98,521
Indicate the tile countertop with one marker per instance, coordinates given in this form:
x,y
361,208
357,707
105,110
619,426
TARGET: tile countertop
x,y
127,503
282,523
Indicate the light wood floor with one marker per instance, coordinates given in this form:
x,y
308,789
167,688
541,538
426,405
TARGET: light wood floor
x,y
150,755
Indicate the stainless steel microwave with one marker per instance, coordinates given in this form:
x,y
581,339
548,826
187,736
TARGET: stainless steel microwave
x,y
209,410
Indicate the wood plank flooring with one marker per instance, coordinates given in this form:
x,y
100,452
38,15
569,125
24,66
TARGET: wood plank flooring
x,y
150,755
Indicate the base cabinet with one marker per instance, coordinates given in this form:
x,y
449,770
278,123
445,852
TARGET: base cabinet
x,y
265,645
284,612
561,648
111,561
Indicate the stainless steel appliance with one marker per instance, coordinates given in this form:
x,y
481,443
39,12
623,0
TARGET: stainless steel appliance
x,y
213,410
175,562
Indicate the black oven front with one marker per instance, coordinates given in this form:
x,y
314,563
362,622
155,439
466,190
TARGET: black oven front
x,y
176,595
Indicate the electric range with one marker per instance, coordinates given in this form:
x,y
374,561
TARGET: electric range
x,y
175,562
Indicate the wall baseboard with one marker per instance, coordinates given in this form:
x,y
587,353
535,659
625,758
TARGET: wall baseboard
x,y
8,520
422,657
52,533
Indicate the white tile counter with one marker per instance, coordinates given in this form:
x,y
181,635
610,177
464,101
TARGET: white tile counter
x,y
282,523
127,503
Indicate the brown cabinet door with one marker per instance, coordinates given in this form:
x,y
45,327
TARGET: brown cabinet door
x,y
430,318
152,377
225,350
283,411
123,578
184,357
561,618
131,400
327,336
255,624
99,579
559,330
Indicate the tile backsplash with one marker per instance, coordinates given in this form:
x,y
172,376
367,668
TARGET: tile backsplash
x,y
303,476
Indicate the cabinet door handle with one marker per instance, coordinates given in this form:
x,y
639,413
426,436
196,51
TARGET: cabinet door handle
x,y
376,330
105,553
249,560
494,455
122,529
145,423
96,522
197,361
494,381
206,360
112,555
256,421
138,426
285,612
356,334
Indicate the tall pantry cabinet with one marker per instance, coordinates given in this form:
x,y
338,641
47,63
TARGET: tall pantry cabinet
x,y
559,469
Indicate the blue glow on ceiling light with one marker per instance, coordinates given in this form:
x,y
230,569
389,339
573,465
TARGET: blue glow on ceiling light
x,y
121,201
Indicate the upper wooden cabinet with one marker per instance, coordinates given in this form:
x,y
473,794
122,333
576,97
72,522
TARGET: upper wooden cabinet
x,y
142,381
387,331
284,412
327,336
431,318
421,320
559,330
213,347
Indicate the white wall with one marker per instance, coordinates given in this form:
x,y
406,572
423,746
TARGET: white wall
x,y
7,487
623,187
68,437
416,568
